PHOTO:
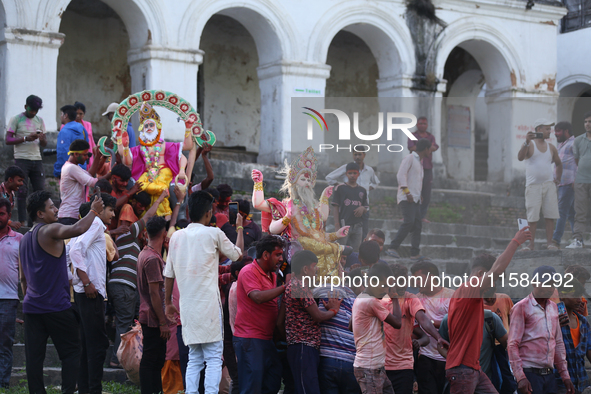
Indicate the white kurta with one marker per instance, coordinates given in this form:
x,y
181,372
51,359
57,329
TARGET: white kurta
x,y
193,259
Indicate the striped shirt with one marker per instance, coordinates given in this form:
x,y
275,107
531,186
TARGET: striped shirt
x,y
336,340
567,157
124,270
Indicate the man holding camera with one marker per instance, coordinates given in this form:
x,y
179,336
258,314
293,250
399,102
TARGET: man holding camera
x,y
540,183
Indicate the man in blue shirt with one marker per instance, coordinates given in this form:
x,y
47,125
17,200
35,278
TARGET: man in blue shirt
x,y
109,114
71,131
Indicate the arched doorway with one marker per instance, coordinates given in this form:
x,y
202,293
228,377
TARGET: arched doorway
x,y
464,101
474,52
228,84
92,64
573,104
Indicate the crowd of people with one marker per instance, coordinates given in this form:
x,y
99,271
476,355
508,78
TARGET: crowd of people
x,y
224,307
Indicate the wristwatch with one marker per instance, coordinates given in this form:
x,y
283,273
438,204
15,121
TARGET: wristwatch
x,y
88,284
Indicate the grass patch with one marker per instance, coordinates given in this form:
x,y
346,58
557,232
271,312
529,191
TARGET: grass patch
x,y
446,213
108,387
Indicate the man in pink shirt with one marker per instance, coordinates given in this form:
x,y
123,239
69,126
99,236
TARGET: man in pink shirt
x,y
259,367
399,349
535,344
430,366
369,315
75,181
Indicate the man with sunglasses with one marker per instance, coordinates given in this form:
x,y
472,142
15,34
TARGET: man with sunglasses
x,y
75,181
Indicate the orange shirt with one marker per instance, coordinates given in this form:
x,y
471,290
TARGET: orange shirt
x,y
576,333
502,307
399,353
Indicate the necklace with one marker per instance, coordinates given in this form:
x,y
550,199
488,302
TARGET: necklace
x,y
152,161
312,223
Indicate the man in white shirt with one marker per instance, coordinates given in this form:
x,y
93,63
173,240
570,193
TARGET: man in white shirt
x,y
88,253
367,180
541,180
195,267
410,184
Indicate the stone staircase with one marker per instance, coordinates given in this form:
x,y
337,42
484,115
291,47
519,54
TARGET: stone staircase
x,y
52,363
452,246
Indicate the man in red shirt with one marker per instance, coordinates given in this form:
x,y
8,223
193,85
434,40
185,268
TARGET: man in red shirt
x,y
259,366
466,319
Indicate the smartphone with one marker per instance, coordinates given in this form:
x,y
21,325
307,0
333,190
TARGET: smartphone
x,y
522,223
561,308
539,136
233,206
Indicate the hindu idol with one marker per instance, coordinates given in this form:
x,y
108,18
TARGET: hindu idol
x,y
154,162
300,216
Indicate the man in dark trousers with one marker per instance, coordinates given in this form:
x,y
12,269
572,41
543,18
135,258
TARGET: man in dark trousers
x,y
45,282
410,183
422,126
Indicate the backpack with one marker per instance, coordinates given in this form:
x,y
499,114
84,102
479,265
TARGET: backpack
x,y
502,377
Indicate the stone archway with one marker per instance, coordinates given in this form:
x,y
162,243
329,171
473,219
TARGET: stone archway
x,y
229,85
574,101
273,36
92,65
494,57
371,55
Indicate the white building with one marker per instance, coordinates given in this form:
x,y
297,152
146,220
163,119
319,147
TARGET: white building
x,y
241,62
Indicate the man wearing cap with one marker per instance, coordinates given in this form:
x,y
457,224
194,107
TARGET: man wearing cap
x,y
109,114
540,182
535,344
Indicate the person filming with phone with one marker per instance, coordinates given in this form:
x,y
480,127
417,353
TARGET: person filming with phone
x,y
540,181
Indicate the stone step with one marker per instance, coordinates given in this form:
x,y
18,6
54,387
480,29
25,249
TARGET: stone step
x,y
52,359
493,232
52,376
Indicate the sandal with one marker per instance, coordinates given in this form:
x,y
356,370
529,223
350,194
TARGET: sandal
x,y
552,247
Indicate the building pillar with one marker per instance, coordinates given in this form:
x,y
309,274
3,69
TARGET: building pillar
x,y
279,82
174,70
28,65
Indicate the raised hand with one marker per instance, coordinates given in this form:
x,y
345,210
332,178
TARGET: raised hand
x,y
189,123
328,191
97,205
343,231
523,235
136,188
257,176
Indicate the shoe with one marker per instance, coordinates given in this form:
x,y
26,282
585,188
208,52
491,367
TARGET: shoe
x,y
417,257
576,244
393,253
115,365
426,221
525,249
552,247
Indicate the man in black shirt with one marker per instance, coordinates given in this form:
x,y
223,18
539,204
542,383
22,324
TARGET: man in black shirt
x,y
349,204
